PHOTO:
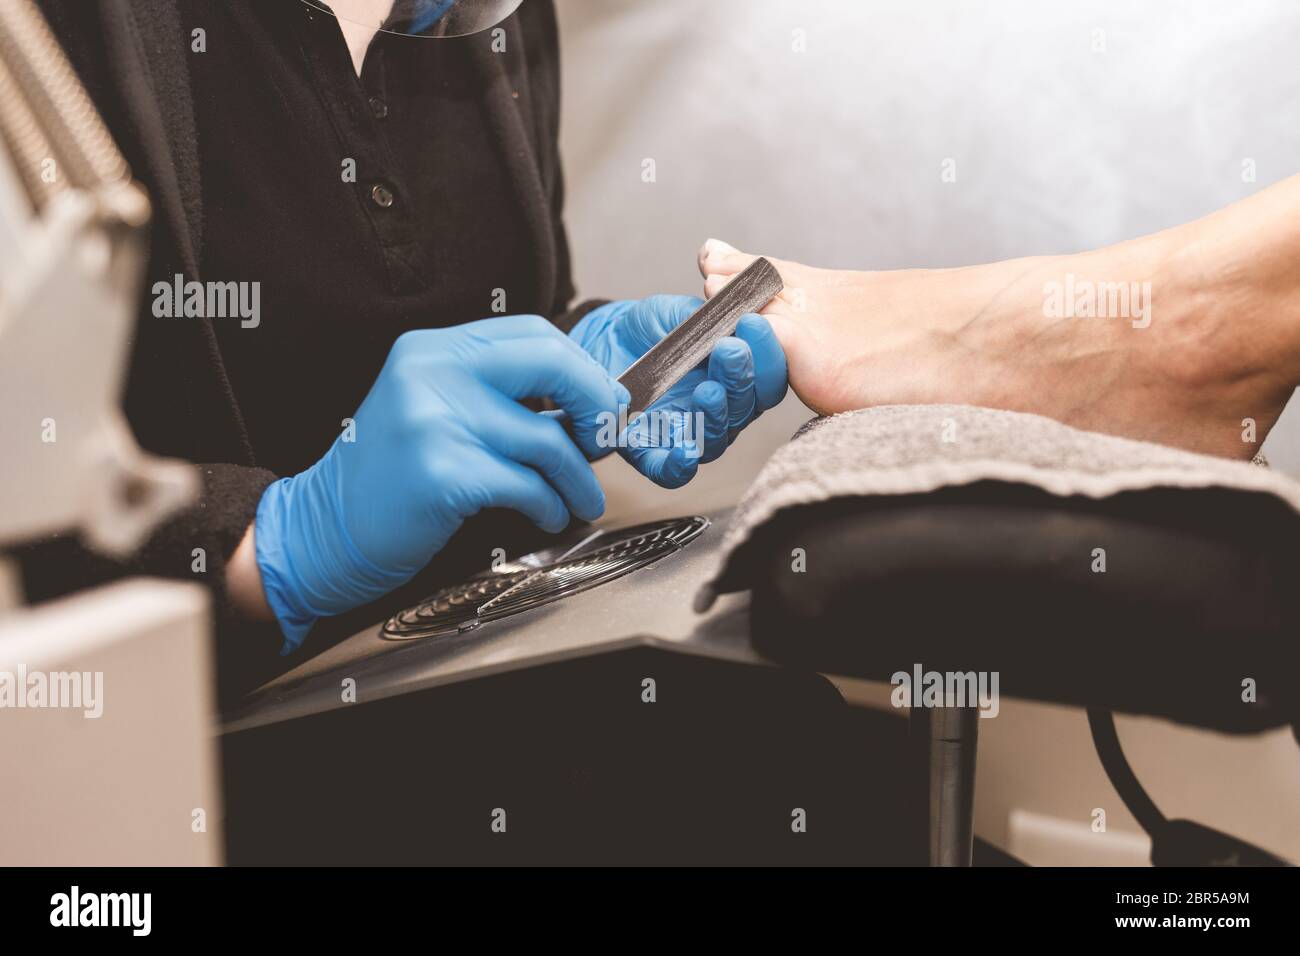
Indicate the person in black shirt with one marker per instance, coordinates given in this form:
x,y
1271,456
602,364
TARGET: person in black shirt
x,y
391,205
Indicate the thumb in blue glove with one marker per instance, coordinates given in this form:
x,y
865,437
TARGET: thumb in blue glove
x,y
744,376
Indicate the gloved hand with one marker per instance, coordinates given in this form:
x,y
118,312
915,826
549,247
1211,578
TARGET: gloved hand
x,y
744,377
439,437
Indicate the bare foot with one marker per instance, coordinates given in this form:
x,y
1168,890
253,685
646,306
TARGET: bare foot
x,y
1134,340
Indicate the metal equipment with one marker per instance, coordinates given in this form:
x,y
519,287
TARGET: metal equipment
x,y
97,777
686,346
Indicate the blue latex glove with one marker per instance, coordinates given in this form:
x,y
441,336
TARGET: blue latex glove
x,y
745,375
440,436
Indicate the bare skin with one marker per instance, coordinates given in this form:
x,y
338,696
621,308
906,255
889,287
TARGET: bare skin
x,y
244,579
1209,336
360,21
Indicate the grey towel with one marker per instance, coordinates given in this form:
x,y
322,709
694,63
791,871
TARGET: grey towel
x,y
909,449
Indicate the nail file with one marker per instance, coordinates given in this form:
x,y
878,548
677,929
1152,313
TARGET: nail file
x,y
686,346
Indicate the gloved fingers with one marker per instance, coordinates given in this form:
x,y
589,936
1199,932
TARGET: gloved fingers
x,y
709,402
502,483
592,331
669,467
515,327
770,382
718,258
541,443
652,319
558,369
523,327
731,365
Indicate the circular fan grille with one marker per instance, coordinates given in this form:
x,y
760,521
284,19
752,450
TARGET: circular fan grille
x,y
540,579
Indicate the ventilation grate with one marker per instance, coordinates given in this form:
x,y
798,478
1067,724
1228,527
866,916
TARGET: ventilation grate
x,y
541,578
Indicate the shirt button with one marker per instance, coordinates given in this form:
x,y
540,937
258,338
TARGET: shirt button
x,y
381,195
379,108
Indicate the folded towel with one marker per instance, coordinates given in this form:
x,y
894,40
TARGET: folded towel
x,y
909,449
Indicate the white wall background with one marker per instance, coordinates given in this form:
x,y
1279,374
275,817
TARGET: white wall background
x,y
833,156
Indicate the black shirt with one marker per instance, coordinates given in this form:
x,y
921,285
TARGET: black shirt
x,y
365,207
241,148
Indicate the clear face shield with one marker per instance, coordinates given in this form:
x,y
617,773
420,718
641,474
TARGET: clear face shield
x,y
423,18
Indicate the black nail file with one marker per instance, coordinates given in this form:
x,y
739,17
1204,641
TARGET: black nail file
x,y
686,346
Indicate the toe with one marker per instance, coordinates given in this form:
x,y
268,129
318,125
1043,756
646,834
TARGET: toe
x,y
781,306
717,257
713,284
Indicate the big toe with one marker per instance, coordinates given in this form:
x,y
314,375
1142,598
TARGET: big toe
x,y
718,258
